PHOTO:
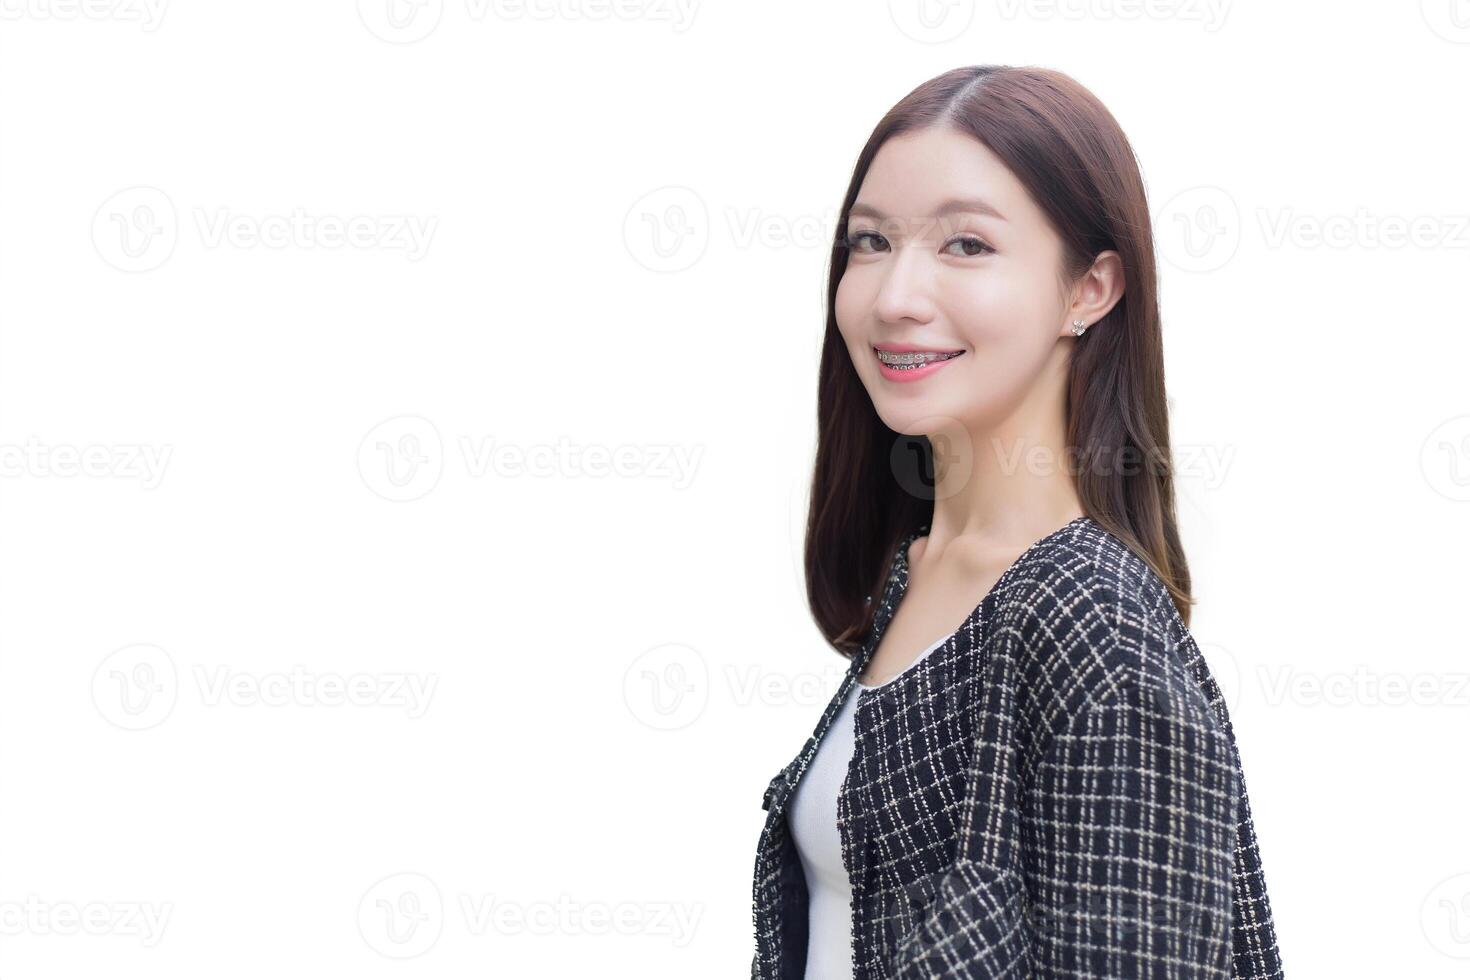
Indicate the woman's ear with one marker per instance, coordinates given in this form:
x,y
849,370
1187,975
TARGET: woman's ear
x,y
1097,292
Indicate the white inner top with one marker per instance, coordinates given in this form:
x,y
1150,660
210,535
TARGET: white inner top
x,y
813,818
935,646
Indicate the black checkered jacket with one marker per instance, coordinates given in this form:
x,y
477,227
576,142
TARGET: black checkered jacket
x,y
1055,792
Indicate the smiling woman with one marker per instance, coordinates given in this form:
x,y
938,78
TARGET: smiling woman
x,y
1052,788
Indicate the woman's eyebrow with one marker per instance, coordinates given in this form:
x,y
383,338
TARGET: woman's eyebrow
x,y
973,205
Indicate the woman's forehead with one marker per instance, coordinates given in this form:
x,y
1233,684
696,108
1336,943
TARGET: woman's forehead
x,y
935,172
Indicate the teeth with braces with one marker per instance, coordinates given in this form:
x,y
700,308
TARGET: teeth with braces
x,y
913,360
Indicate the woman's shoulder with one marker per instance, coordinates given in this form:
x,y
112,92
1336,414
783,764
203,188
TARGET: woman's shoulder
x,y
1087,619
1085,569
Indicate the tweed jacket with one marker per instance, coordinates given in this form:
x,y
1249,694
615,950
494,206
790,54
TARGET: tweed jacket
x,y
1053,792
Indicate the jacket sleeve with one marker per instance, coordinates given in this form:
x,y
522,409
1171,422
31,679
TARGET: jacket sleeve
x,y
1110,857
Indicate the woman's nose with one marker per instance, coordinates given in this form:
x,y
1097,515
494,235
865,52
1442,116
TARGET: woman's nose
x,y
907,289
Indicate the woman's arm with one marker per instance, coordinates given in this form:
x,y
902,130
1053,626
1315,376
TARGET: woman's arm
x,y
1111,856
1128,842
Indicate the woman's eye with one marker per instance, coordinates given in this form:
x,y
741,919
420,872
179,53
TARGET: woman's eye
x,y
973,246
969,244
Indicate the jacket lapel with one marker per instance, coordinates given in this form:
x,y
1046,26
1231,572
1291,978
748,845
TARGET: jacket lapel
x,y
778,793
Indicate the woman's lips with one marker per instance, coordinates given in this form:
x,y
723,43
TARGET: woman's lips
x,y
924,363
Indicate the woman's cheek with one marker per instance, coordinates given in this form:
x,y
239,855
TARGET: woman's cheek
x,y
845,305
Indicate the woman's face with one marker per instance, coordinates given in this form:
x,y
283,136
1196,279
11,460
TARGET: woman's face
x,y
947,252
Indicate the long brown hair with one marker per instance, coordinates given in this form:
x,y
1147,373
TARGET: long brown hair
x,y
1072,157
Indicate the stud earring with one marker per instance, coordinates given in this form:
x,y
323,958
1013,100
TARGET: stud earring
x,y
1078,327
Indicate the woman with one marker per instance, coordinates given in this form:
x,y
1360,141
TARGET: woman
x,y
1045,784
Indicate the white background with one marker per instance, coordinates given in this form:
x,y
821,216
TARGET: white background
x,y
246,460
